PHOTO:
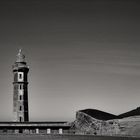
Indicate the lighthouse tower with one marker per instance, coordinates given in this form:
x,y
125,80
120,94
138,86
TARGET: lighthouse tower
x,y
20,91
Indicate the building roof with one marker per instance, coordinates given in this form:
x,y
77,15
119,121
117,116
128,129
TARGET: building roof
x,y
35,124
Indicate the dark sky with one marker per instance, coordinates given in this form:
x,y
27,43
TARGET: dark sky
x,y
81,53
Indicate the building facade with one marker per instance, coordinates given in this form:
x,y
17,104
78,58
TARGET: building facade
x,y
35,128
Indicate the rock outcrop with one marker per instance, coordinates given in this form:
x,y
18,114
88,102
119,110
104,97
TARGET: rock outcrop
x,y
101,123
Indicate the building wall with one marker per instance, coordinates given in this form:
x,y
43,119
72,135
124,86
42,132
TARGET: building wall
x,y
35,130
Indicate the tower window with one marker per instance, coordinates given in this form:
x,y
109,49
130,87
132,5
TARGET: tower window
x,y
20,76
20,119
20,108
20,97
20,86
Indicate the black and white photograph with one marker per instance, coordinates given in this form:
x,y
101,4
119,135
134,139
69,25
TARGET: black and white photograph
x,y
69,70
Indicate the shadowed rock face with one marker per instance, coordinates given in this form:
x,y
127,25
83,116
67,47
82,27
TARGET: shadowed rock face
x,y
101,123
100,115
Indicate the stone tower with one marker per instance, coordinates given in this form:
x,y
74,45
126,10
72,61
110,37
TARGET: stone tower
x,y
20,91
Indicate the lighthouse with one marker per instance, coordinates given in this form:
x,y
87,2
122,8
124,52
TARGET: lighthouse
x,y
20,89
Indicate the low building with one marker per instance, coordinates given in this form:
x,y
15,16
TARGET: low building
x,y
35,127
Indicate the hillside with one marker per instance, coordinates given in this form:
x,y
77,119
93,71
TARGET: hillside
x,y
134,112
101,115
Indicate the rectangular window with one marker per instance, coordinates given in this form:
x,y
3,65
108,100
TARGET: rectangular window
x,y
20,86
20,108
20,76
48,131
20,97
20,119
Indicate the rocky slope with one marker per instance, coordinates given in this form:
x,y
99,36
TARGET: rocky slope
x,y
101,123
